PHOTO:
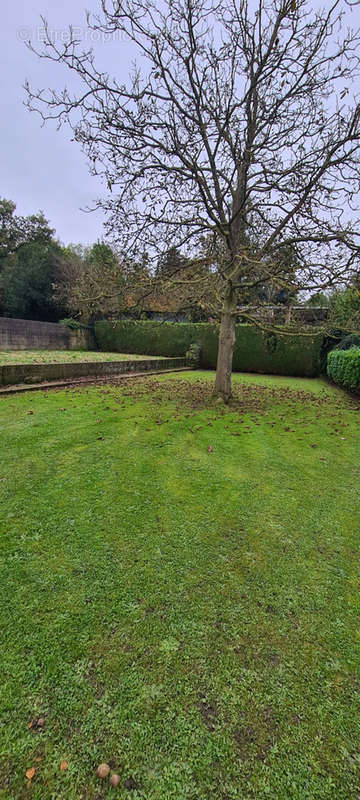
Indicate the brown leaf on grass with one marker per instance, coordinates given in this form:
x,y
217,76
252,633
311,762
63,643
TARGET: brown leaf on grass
x,y
103,770
30,773
31,723
63,766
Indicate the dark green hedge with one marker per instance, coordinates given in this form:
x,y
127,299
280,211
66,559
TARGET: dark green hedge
x,y
255,350
343,367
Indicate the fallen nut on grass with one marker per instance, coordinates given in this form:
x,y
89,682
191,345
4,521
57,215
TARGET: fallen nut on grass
x,y
115,780
103,770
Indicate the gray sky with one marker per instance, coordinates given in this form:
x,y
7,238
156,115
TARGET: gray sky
x,y
40,168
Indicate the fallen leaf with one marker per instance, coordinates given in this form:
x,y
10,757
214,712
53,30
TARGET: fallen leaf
x,y
103,770
63,765
30,773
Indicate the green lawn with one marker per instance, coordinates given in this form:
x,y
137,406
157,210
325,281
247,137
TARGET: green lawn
x,y
180,591
62,356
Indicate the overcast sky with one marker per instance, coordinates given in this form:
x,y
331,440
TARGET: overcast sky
x,y
41,169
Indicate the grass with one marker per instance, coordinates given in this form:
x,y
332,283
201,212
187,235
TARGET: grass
x,y
180,591
62,356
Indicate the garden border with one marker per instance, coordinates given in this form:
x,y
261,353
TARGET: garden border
x,y
11,374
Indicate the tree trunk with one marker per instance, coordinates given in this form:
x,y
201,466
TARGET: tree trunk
x,y
226,347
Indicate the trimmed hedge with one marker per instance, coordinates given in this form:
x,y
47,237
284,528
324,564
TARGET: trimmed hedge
x,y
255,350
343,367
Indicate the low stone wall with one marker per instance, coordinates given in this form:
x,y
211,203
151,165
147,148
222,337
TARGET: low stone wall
x,y
11,374
81,339
26,334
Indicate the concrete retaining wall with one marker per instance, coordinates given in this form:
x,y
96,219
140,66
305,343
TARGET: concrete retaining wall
x,y
26,334
38,373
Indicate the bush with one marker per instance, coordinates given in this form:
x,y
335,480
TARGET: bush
x,y
255,350
343,367
73,324
353,340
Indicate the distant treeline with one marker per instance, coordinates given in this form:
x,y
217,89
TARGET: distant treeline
x,y
41,279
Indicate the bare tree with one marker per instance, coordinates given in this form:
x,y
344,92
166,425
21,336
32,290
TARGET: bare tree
x,y
238,128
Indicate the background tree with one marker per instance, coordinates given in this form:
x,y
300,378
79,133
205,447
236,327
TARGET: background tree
x,y
318,300
184,286
101,255
29,260
16,231
344,309
9,232
26,282
94,281
239,122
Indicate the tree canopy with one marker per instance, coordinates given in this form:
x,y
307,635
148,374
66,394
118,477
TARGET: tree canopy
x,y
29,257
236,137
